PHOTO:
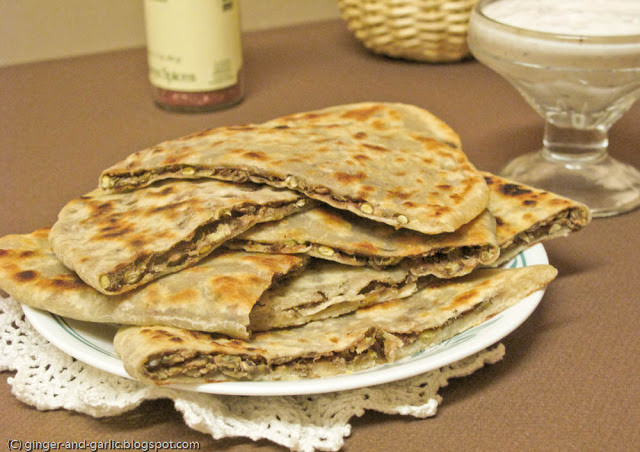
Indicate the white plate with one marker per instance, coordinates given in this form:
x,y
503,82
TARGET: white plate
x,y
92,343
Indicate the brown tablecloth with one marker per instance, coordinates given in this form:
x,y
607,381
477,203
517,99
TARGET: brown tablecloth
x,y
571,376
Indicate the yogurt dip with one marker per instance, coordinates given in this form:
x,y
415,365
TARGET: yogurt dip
x,y
577,62
573,17
595,34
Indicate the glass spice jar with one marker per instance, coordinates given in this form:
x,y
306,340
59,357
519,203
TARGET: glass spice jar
x,y
194,54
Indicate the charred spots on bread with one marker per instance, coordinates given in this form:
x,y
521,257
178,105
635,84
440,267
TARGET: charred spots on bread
x,y
256,155
511,189
347,178
114,232
67,282
169,189
376,148
401,193
103,208
174,206
361,114
26,275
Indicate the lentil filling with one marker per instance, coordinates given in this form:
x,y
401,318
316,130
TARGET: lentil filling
x,y
204,240
561,223
375,347
127,181
443,262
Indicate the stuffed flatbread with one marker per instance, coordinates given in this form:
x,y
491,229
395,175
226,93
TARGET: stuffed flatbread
x,y
526,215
340,236
392,163
215,295
382,333
116,242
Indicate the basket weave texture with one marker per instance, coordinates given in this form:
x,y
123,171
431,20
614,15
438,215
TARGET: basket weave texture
x,y
420,30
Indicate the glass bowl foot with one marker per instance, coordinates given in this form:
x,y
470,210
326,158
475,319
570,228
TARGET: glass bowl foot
x,y
608,186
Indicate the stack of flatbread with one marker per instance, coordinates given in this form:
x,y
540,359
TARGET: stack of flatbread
x,y
310,245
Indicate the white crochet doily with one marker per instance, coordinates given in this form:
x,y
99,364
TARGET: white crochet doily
x,y
48,379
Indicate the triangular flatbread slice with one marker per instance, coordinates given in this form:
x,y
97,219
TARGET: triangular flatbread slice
x,y
340,236
526,215
379,334
116,242
215,295
393,163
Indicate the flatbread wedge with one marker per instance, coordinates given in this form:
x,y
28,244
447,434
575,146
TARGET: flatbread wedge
x,y
215,295
526,215
340,236
393,163
379,334
116,242
328,289
228,292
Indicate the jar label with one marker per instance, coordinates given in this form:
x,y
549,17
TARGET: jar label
x,y
193,45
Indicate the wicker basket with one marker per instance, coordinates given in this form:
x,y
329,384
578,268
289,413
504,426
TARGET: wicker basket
x,y
419,30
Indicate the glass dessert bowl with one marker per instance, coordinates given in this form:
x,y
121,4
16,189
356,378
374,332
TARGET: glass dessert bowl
x,y
581,84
